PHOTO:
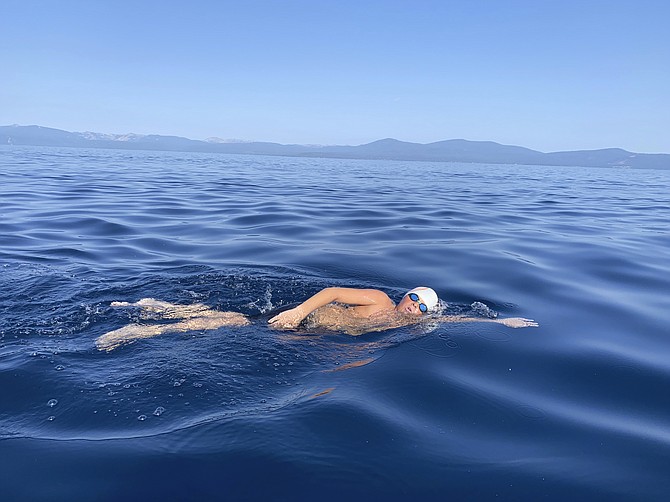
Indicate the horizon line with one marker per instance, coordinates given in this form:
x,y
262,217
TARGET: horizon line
x,y
325,145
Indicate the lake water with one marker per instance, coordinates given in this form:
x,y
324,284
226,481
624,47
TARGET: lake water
x,y
578,408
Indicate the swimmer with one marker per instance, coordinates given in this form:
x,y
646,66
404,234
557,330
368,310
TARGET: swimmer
x,y
358,311
348,310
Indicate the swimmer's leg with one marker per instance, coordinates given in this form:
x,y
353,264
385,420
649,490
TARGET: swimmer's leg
x,y
144,302
212,320
130,333
166,309
113,339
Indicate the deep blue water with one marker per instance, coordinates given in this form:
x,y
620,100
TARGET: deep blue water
x,y
577,408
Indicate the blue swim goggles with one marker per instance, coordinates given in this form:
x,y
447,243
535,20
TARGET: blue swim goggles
x,y
415,298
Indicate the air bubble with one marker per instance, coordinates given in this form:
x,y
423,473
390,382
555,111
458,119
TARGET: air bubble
x,y
142,418
60,367
159,411
51,418
52,402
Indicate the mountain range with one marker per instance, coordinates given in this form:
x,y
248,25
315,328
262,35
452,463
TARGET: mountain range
x,y
453,150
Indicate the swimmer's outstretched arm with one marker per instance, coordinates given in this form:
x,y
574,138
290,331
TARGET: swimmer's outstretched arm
x,y
349,296
510,322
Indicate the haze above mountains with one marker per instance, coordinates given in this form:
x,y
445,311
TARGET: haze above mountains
x,y
454,150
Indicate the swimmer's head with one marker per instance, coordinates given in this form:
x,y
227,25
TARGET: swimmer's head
x,y
418,301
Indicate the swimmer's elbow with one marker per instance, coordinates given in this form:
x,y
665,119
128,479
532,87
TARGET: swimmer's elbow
x,y
331,294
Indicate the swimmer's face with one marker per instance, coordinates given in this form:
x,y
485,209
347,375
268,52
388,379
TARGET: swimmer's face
x,y
409,306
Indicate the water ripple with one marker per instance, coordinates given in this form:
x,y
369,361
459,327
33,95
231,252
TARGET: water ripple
x,y
575,408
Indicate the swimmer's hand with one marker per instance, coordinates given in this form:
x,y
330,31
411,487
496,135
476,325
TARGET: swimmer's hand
x,y
518,322
288,319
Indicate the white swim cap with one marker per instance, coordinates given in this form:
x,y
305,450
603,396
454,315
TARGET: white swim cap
x,y
427,296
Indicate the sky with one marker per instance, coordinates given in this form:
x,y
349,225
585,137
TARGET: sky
x,y
550,75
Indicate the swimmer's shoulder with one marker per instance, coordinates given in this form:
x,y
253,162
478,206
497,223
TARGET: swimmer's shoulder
x,y
377,298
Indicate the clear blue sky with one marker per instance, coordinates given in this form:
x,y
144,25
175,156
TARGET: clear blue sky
x,y
545,74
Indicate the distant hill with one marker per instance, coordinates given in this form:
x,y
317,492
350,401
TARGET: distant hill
x,y
453,150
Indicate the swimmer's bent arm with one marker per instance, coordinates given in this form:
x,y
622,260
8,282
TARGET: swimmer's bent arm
x,y
349,296
510,322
